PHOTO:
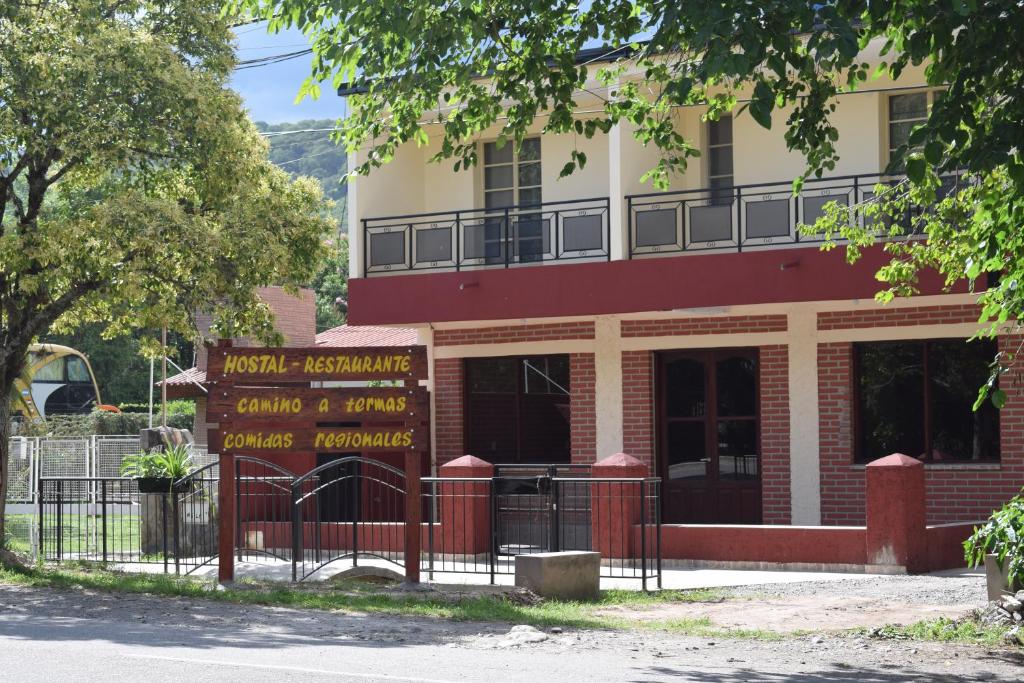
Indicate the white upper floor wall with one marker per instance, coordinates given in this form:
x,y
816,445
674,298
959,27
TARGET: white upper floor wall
x,y
411,184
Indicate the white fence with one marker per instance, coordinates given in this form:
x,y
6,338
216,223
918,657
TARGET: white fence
x,y
75,456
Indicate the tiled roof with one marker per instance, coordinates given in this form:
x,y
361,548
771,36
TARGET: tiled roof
x,y
189,377
366,335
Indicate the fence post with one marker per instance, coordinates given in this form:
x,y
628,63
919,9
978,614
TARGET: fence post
x,y
465,519
40,502
226,532
103,516
614,505
60,519
176,545
297,532
553,527
413,516
895,511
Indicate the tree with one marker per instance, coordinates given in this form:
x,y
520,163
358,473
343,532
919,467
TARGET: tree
x,y
416,62
133,189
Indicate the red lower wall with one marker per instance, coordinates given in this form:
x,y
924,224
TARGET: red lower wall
x,y
782,544
946,545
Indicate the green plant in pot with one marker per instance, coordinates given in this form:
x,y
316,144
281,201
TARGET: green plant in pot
x,y
157,471
999,545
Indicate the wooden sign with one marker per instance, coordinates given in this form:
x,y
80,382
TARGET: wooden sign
x,y
318,405
281,365
237,439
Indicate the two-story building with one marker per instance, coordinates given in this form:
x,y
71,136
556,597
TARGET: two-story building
x,y
568,319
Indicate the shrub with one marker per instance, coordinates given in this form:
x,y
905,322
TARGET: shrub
x,y
1003,536
181,406
173,462
99,422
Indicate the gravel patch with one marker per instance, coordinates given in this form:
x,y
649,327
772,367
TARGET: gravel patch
x,y
935,590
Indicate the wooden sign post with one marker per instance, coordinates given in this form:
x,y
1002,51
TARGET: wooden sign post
x,y
264,404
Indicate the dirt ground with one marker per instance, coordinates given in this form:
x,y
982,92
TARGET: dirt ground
x,y
829,606
111,627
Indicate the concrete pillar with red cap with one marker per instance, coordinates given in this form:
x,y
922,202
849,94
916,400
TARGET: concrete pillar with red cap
x,y
895,535
465,506
617,507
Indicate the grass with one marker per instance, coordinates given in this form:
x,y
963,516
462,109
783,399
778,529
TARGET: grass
x,y
943,630
363,598
80,534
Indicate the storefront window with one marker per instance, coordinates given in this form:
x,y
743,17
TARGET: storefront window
x,y
517,409
917,397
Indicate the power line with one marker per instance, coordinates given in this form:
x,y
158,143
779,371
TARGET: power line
x,y
310,156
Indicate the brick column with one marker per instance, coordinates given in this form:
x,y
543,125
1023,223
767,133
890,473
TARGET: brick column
x,y
582,412
448,409
465,507
616,507
896,513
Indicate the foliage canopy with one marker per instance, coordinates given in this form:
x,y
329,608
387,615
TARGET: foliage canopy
x,y
133,189
416,63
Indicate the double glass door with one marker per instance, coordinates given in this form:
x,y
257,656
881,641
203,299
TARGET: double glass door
x,y
709,436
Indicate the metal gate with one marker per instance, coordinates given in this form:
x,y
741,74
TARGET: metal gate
x,y
263,510
346,508
537,509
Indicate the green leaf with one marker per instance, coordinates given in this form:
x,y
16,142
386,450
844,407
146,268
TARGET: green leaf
x,y
915,169
999,398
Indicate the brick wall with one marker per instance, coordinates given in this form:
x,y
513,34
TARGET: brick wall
x,y
891,316
955,493
515,333
582,408
735,324
638,406
775,486
842,486
448,409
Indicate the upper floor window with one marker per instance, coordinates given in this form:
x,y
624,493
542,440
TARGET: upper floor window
x,y
906,111
916,398
720,169
511,178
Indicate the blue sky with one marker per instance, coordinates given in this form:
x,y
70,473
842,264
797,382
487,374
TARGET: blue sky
x,y
269,91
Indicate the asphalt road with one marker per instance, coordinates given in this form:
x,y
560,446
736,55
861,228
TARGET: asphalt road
x,y
49,635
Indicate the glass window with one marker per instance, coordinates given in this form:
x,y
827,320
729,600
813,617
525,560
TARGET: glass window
x,y
517,408
78,371
720,158
51,372
511,179
905,112
916,398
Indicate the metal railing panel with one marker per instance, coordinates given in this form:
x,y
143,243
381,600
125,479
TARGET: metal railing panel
x,y
488,238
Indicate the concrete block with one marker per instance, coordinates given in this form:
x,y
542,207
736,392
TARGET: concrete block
x,y
569,575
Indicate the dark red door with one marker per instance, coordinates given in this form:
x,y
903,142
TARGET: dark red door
x,y
709,436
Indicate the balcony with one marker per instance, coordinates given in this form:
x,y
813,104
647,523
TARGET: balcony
x,y
739,218
721,220
488,238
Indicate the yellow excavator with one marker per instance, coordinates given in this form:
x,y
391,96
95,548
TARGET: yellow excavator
x,y
57,380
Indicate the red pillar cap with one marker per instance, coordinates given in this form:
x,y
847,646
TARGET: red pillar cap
x,y
619,460
896,460
467,461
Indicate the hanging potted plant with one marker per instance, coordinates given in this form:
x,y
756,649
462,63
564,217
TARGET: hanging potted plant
x,y
160,471
999,545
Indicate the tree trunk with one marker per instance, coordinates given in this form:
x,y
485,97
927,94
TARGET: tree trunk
x,y
5,447
9,371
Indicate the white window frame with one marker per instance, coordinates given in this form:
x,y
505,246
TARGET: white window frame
x,y
887,120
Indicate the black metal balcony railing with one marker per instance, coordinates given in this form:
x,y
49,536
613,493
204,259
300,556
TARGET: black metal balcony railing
x,y
742,217
505,237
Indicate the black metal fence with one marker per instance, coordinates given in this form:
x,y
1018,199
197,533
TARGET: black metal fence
x,y
479,525
355,507
109,520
